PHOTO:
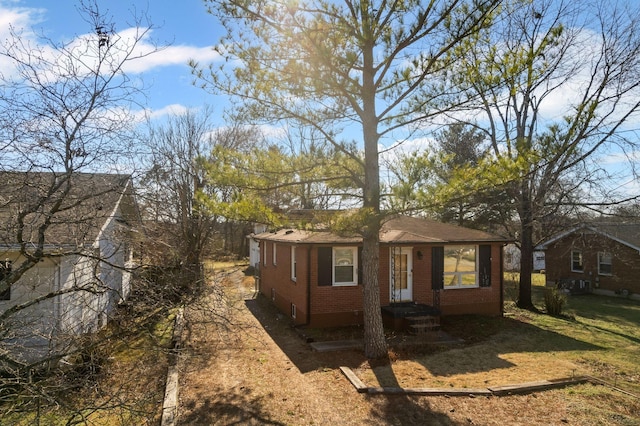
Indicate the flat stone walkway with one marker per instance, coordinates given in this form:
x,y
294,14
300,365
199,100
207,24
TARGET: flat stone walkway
x,y
336,345
439,337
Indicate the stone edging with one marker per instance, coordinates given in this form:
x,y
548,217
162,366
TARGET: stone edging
x,y
170,402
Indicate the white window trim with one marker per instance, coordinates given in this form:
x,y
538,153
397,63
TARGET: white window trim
x,y
274,249
354,281
294,311
601,254
459,274
264,252
294,261
571,260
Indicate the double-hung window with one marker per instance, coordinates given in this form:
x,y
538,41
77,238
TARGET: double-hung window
x,y
264,252
294,264
337,266
275,251
604,263
345,266
460,266
577,264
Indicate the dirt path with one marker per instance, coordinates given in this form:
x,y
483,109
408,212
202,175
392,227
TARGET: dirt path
x,y
256,370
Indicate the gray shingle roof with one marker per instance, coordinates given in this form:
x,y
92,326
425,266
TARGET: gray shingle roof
x,y
77,206
625,233
397,230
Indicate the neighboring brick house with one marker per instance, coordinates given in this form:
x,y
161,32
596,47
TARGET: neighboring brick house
x,y
314,276
603,258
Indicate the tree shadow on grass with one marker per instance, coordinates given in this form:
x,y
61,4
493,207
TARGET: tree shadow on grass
x,y
227,408
402,409
280,329
387,409
509,336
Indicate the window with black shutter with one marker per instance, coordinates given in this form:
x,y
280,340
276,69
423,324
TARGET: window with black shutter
x,y
338,266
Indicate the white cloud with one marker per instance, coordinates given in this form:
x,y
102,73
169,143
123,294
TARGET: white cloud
x,y
22,19
620,158
168,110
147,57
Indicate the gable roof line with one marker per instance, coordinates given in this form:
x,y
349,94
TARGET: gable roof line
x,y
418,238
112,216
593,228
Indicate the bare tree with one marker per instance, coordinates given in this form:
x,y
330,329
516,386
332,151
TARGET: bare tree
x,y
539,56
68,212
171,183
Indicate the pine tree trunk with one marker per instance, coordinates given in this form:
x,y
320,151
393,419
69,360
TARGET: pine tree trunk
x,y
375,345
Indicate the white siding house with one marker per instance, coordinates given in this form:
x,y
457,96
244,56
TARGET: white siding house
x,y
81,275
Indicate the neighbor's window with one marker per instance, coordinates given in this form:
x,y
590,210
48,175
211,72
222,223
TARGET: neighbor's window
x,y
604,263
294,264
274,253
345,266
5,268
577,264
264,252
460,267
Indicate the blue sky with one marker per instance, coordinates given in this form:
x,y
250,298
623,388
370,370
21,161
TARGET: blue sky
x,y
191,33
185,25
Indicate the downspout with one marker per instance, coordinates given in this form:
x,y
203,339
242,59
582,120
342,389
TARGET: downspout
x,y
308,321
502,280
57,326
56,288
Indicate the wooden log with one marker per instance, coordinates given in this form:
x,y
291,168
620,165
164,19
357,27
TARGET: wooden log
x,y
537,386
355,380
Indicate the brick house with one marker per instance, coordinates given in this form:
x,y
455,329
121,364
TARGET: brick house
x,y
313,276
602,258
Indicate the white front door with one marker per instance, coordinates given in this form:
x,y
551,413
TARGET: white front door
x,y
400,279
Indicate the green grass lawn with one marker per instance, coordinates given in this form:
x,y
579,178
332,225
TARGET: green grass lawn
x,y
599,334
595,336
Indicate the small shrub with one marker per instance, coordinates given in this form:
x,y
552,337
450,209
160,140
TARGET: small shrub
x,y
554,301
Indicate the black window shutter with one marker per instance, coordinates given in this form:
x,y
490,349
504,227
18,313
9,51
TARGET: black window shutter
x,y
485,265
324,265
437,268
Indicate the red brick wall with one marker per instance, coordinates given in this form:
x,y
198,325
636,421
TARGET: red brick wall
x,y
276,279
334,306
625,262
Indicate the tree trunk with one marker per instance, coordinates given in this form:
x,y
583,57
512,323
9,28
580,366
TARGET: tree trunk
x,y
375,345
526,250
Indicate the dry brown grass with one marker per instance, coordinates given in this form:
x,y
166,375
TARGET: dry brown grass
x,y
256,369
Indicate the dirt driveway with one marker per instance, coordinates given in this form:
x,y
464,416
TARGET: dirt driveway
x,y
255,369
